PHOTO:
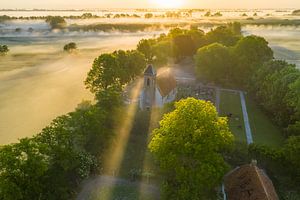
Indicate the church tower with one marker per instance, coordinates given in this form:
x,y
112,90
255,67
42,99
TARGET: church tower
x,y
148,95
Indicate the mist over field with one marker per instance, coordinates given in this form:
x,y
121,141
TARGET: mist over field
x,y
39,82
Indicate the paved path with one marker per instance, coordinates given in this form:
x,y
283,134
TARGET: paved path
x,y
246,119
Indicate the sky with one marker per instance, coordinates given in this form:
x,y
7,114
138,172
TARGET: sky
x,y
88,4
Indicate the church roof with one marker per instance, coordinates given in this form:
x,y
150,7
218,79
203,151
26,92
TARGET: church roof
x,y
166,82
248,182
150,70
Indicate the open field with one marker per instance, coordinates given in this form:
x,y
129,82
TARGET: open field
x,y
39,82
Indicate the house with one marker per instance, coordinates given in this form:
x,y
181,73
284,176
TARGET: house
x,y
248,182
158,89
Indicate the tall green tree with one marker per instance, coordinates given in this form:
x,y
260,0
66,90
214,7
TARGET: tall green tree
x,y
114,69
214,63
187,146
250,53
56,22
3,49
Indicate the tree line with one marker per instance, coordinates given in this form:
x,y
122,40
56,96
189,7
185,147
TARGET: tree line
x,y
226,58
52,164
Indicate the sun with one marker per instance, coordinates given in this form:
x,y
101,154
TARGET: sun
x,y
168,3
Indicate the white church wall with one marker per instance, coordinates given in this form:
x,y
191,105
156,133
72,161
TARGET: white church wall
x,y
170,97
142,99
158,98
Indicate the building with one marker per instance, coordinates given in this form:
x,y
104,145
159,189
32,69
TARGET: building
x,y
248,182
158,89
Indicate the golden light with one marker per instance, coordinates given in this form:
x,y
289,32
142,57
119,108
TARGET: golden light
x,y
168,3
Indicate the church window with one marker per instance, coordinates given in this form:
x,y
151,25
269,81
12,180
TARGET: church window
x,y
148,81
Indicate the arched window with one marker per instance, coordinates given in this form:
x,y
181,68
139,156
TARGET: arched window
x,y
148,81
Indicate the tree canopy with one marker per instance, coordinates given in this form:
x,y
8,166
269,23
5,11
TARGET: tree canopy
x,y
113,69
70,47
56,22
4,49
187,146
214,63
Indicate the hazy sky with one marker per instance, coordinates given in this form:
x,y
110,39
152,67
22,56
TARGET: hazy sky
x,y
76,4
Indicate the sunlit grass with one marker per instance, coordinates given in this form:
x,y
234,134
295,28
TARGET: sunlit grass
x,y
264,132
230,103
115,155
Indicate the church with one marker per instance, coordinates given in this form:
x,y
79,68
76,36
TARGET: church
x,y
158,89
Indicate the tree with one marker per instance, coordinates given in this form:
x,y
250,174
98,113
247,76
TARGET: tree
x,y
22,165
291,152
145,47
250,53
183,46
148,15
187,145
214,63
70,47
227,35
56,22
275,88
4,49
114,69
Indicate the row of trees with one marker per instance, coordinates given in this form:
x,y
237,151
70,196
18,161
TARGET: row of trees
x,y
180,43
51,164
226,58
249,65
276,87
224,64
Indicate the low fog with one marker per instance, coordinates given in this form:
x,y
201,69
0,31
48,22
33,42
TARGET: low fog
x,y
40,82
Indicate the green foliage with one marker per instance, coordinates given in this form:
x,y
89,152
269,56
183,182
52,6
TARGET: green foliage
x,y
188,145
233,65
282,165
296,12
70,47
214,63
227,35
148,15
179,43
250,53
3,49
145,47
87,15
4,18
276,88
114,69
293,129
56,22
53,163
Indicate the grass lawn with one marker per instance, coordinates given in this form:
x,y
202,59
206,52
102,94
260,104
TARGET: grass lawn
x,y
263,131
230,103
121,192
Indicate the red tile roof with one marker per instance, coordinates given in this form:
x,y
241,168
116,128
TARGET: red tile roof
x,y
248,182
166,82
